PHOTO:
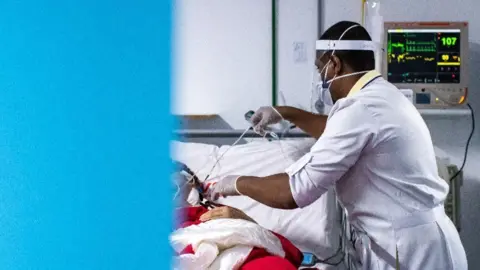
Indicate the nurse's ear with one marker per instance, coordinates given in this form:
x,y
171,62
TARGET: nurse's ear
x,y
336,65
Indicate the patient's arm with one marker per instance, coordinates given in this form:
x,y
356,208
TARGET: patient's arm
x,y
313,124
273,191
225,212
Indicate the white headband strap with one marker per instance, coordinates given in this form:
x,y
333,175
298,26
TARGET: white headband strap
x,y
345,45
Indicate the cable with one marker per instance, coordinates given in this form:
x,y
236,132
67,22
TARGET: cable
x,y
326,261
221,156
194,175
465,154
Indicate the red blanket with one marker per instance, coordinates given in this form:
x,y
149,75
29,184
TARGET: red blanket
x,y
258,258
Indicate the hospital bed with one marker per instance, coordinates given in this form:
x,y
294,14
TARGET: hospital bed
x,y
322,228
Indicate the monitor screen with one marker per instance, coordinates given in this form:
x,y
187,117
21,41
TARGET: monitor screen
x,y
423,56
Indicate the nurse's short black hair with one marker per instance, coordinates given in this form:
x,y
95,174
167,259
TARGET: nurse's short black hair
x,y
357,60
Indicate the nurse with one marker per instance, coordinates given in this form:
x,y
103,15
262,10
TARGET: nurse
x,y
376,151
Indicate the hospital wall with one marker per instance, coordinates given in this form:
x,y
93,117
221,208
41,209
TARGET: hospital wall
x,y
297,31
222,52
449,133
223,56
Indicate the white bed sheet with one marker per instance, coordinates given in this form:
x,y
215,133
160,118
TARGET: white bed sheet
x,y
314,229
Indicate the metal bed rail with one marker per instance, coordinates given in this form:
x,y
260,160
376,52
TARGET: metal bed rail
x,y
232,133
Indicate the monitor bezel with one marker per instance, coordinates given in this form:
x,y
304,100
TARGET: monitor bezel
x,y
464,48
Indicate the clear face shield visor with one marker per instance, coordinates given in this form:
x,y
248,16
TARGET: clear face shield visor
x,y
320,82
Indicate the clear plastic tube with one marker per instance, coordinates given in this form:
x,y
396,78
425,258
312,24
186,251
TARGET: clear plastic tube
x,y
372,8
373,22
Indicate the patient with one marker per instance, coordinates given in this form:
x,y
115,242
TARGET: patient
x,y
228,235
188,197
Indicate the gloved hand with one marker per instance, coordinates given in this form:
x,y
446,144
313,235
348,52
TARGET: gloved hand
x,y
221,187
264,117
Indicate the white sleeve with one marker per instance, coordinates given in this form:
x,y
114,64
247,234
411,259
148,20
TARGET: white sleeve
x,y
348,131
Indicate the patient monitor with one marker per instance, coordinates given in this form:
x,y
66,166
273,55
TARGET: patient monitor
x,y
428,58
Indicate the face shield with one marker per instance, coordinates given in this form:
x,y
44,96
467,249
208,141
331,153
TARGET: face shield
x,y
322,85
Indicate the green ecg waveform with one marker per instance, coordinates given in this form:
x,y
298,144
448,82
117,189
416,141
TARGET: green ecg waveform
x,y
412,46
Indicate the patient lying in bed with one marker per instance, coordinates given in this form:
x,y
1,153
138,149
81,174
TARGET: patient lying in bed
x,y
227,238
313,229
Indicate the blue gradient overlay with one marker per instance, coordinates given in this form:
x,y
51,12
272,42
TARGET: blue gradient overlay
x,y
84,130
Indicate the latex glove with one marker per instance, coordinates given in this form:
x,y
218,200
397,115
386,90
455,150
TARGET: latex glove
x,y
221,187
264,117
225,212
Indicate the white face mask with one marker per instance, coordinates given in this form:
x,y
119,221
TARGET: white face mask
x,y
193,197
323,87
181,181
325,94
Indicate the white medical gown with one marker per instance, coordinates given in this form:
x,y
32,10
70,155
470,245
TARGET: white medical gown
x,y
378,154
